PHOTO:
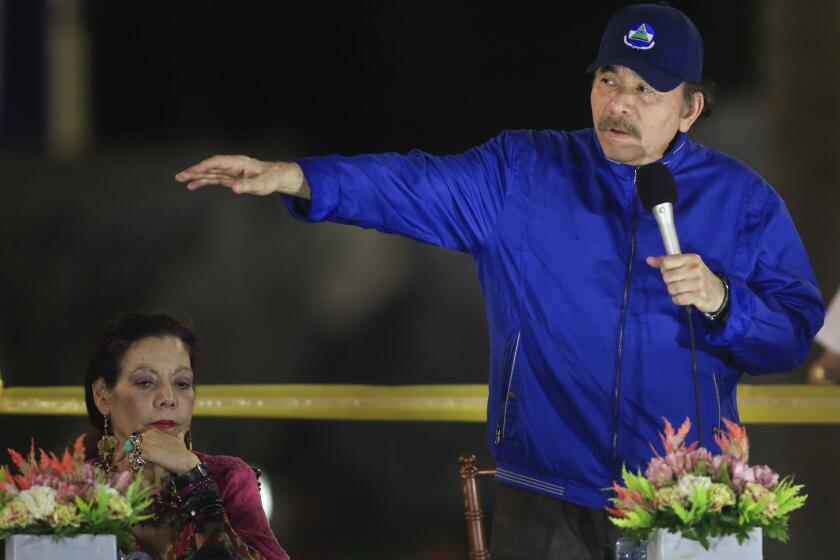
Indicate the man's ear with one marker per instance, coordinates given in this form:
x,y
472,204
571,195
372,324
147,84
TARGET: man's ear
x,y
692,111
101,396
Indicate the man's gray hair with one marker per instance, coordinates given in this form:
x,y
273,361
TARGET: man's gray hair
x,y
707,89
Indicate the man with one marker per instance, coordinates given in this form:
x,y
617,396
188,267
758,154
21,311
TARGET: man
x,y
588,351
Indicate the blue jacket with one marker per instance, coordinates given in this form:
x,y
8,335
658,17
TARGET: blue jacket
x,y
588,353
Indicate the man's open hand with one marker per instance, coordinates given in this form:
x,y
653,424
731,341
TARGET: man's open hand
x,y
243,174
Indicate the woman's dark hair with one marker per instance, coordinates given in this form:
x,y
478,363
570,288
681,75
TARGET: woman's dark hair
x,y
116,338
707,89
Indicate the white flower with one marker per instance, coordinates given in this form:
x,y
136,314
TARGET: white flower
x,y
109,490
688,483
39,501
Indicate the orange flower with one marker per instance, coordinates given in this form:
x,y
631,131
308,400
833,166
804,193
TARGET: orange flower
x,y
18,460
734,442
674,441
79,448
24,482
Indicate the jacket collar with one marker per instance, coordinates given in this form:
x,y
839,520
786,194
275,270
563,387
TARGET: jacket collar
x,y
672,158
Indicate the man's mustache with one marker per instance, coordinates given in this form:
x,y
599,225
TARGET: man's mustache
x,y
618,123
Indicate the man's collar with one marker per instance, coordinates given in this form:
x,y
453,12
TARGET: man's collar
x,y
672,158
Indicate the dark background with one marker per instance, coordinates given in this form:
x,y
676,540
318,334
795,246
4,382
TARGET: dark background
x,y
92,223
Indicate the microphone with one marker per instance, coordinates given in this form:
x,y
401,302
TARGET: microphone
x,y
658,194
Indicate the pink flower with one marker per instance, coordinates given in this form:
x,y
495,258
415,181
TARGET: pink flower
x,y
765,476
742,474
122,481
659,473
678,461
720,463
700,455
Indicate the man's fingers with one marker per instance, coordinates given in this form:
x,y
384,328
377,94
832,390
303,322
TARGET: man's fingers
x,y
671,269
675,261
237,184
678,274
684,287
228,165
199,168
671,262
686,278
655,262
683,299
211,180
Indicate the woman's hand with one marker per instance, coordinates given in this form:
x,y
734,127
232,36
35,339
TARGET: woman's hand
x,y
162,449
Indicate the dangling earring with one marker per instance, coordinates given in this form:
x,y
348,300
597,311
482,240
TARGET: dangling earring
x,y
188,439
106,445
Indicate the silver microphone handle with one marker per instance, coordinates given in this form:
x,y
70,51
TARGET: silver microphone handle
x,y
664,214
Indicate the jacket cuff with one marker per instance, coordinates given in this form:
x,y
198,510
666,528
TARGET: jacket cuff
x,y
740,313
324,186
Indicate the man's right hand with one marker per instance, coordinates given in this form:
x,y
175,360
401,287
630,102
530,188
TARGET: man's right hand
x,y
243,174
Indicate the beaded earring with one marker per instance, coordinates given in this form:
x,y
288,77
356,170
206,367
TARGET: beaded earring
x,y
106,445
188,439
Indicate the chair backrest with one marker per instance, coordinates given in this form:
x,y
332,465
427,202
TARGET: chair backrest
x,y
472,506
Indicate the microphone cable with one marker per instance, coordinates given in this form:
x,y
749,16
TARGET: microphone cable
x,y
657,191
696,374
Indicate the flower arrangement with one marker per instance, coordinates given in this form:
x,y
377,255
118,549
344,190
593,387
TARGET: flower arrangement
x,y
700,495
68,496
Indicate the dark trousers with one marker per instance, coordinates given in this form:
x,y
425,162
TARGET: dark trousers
x,y
529,526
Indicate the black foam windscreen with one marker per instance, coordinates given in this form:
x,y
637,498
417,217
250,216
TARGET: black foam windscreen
x,y
655,185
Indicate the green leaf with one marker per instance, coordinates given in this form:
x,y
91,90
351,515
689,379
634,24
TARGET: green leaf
x,y
724,475
682,513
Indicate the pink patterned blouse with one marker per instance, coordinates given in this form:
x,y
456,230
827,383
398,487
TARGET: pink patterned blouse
x,y
247,534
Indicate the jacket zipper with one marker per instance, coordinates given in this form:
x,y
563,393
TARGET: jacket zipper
x,y
500,426
624,305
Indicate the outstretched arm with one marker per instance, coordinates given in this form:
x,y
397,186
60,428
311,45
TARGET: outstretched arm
x,y
243,174
449,201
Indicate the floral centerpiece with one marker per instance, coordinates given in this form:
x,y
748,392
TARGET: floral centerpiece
x,y
700,496
67,496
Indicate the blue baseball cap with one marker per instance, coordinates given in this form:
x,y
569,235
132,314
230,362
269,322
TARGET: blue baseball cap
x,y
656,41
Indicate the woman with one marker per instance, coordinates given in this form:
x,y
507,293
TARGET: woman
x,y
140,394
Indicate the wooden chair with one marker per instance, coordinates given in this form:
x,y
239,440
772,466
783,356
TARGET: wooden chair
x,y
473,513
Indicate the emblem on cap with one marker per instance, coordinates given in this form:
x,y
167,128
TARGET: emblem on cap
x,y
640,37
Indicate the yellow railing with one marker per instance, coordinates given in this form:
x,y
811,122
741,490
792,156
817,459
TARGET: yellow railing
x,y
765,404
